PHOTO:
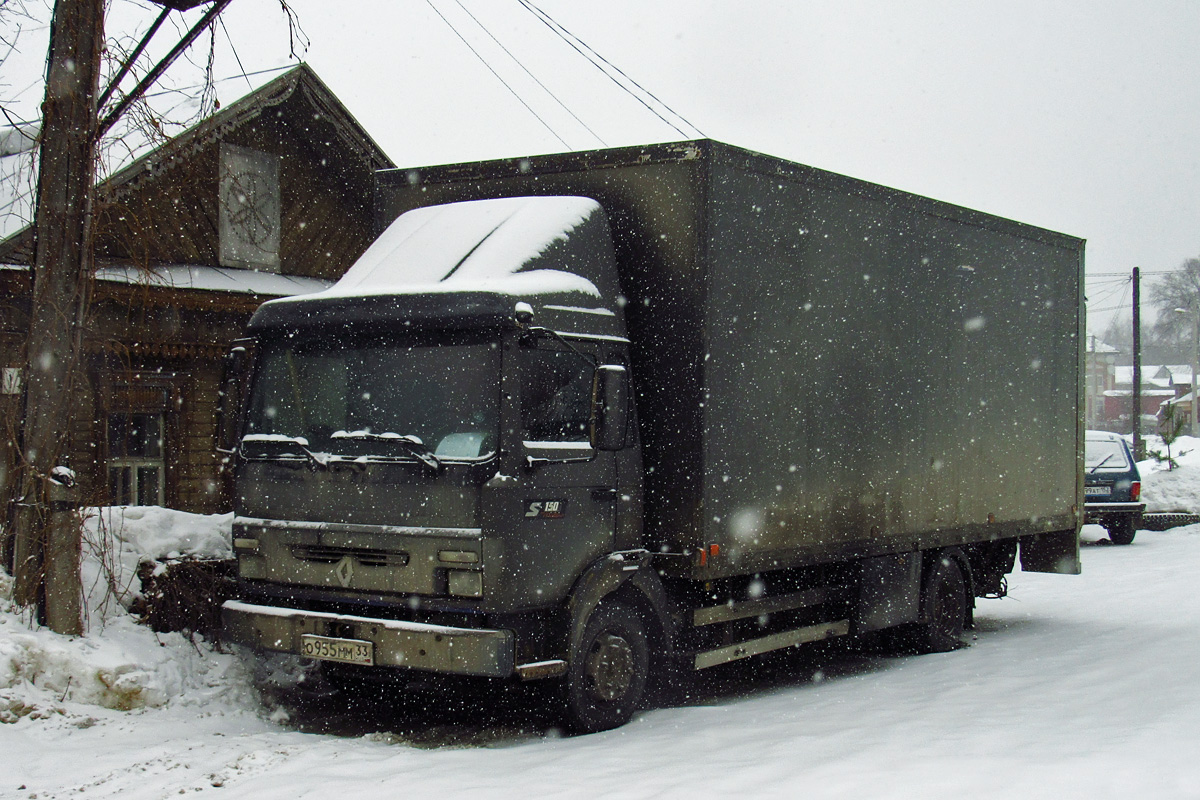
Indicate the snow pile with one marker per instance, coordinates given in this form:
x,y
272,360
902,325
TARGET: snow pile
x,y
119,538
117,664
1165,489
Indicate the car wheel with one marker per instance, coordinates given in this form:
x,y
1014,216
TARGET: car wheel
x,y
606,679
1122,531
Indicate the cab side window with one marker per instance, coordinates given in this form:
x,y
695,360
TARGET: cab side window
x,y
556,393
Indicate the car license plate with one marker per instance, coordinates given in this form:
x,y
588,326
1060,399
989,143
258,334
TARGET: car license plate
x,y
1097,491
347,651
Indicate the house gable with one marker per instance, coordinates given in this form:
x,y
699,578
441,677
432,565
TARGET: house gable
x,y
167,207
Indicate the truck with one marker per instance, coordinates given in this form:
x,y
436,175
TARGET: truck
x,y
605,418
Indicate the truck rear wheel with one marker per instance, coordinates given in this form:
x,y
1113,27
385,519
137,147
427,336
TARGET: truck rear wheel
x,y
606,679
1122,530
946,605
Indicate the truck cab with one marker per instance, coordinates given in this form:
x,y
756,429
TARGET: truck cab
x,y
425,470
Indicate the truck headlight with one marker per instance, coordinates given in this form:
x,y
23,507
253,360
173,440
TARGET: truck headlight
x,y
462,583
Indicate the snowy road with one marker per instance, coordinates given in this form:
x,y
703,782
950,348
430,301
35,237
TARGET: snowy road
x,y
1073,687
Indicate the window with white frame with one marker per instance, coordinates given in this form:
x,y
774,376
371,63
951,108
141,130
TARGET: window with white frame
x,y
136,467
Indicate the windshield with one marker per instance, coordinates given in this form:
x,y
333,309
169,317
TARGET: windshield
x,y
1104,455
381,398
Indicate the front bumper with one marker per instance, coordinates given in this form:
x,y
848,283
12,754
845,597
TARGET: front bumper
x,y
416,645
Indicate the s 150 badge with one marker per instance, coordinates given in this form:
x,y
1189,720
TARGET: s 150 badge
x,y
545,509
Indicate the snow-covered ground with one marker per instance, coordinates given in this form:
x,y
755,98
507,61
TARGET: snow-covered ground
x,y
1166,489
1074,686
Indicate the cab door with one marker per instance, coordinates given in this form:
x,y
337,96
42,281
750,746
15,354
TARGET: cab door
x,y
568,488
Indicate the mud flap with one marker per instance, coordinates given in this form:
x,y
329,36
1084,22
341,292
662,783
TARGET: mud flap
x,y
1051,552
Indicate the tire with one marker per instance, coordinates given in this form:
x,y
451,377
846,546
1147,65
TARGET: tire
x,y
1122,530
606,679
945,606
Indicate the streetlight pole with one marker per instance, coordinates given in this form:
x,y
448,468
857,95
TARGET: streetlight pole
x,y
1195,370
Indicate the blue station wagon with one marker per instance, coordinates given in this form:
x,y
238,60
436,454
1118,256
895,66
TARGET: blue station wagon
x,y
1112,486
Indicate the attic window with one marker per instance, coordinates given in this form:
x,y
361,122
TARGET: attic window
x,y
249,209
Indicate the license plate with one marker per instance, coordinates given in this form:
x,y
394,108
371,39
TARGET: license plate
x,y
347,651
1097,491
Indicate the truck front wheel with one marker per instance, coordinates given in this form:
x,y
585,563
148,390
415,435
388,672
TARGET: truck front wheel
x,y
606,679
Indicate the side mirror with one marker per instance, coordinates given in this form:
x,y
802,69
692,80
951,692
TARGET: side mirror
x,y
610,407
231,395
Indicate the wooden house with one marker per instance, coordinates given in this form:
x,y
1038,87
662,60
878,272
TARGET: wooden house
x,y
271,196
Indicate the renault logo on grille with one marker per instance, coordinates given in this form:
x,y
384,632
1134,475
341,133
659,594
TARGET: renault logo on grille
x,y
344,571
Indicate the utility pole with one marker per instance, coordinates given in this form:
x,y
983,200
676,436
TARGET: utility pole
x,y
46,544
46,555
1139,448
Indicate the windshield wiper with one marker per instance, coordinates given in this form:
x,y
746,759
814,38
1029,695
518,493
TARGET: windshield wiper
x,y
1100,463
413,444
290,444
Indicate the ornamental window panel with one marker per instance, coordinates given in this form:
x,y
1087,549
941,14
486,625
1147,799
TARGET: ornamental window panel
x,y
248,218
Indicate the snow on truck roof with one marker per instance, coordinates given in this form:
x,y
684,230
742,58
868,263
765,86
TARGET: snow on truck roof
x,y
469,263
482,245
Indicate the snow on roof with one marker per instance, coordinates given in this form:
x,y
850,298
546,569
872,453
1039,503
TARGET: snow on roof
x,y
19,138
476,245
205,278
213,279
1152,375
1127,393
1180,373
17,178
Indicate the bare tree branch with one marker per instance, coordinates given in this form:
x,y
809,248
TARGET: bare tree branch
x,y
1177,290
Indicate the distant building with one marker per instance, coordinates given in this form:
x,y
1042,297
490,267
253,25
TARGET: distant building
x,y
1100,364
1160,383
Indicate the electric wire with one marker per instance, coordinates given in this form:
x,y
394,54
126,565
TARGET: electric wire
x,y
545,88
1122,303
493,71
235,77
563,34
236,57
1127,275
1101,295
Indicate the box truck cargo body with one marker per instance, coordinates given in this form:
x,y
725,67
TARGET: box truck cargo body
x,y
656,408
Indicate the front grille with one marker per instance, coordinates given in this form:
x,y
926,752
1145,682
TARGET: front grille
x,y
322,554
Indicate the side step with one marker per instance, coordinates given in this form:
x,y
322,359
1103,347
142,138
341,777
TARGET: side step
x,y
775,641
755,608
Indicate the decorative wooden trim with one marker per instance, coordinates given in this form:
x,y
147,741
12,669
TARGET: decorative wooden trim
x,y
179,350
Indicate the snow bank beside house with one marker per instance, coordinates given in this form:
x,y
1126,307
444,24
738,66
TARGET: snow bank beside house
x,y
117,664
118,538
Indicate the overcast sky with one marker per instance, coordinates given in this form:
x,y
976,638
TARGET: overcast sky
x,y
1076,115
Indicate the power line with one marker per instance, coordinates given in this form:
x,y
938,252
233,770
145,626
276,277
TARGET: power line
x,y
497,74
236,57
1126,274
563,34
545,88
234,77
